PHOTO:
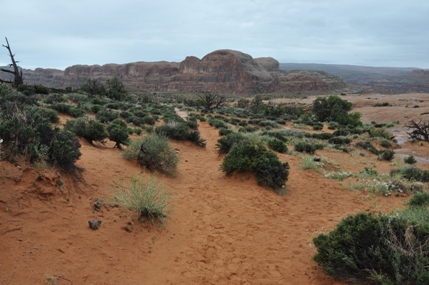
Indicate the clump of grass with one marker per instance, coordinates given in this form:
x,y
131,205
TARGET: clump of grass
x,y
145,195
309,163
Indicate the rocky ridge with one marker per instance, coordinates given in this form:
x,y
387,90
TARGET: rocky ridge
x,y
223,71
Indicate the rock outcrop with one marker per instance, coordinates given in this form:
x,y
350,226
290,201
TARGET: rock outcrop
x,y
223,71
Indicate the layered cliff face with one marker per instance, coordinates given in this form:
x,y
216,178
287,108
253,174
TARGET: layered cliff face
x,y
223,71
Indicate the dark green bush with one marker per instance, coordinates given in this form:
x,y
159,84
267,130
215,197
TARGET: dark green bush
x,y
224,132
248,129
339,140
195,137
106,116
381,249
419,199
225,143
149,120
54,98
64,150
192,124
307,147
386,154
87,128
275,134
118,132
367,146
248,156
277,145
317,127
322,136
385,143
412,173
50,114
410,160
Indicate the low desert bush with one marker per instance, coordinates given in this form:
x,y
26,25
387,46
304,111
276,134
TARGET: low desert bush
x,y
381,249
386,154
385,144
307,147
225,143
277,145
367,146
64,150
411,173
410,160
251,156
224,132
339,140
118,132
106,116
155,153
419,199
147,196
87,128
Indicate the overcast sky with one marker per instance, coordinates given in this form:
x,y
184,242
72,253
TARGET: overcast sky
x,y
57,34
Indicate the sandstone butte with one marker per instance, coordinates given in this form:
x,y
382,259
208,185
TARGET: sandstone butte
x,y
222,71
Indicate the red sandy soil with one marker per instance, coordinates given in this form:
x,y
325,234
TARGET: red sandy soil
x,y
224,230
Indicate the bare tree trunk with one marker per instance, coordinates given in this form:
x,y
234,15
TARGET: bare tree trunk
x,y
17,72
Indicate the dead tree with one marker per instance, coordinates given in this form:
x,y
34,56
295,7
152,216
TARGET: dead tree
x,y
418,130
211,101
17,72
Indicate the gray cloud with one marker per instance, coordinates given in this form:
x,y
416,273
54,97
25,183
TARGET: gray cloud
x,y
48,33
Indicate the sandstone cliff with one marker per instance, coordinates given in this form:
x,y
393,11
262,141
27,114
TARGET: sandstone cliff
x,y
223,71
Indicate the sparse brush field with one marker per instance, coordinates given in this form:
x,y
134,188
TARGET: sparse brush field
x,y
261,190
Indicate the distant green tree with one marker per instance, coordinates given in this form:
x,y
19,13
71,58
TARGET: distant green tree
x,y
115,89
93,87
334,109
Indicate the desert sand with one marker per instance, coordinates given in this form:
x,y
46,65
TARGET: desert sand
x,y
223,230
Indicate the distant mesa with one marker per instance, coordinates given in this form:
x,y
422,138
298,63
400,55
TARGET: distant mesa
x,y
223,71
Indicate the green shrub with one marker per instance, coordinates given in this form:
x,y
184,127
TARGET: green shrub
x,y
386,154
106,116
156,154
412,173
277,145
64,151
381,133
145,195
118,132
410,160
339,140
225,143
217,123
87,128
317,127
385,143
192,124
385,249
50,114
224,132
367,146
195,137
322,136
419,199
306,147
173,130
252,156
149,120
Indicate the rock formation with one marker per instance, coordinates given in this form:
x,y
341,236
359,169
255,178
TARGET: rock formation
x,y
223,71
